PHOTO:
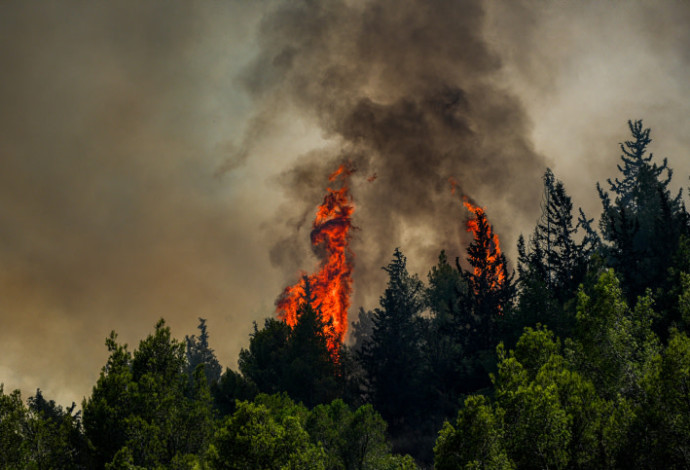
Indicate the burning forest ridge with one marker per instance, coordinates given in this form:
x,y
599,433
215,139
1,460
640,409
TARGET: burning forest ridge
x,y
328,290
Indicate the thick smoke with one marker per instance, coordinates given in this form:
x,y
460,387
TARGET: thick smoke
x,y
406,91
111,122
584,68
118,117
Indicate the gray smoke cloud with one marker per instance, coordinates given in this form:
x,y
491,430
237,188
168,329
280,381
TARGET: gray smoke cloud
x,y
405,91
582,69
165,159
114,118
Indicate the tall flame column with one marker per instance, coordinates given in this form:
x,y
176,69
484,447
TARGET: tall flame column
x,y
330,287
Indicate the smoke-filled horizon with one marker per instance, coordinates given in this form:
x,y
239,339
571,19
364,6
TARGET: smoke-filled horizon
x,y
166,159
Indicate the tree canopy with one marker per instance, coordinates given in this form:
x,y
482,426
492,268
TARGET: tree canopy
x,y
582,361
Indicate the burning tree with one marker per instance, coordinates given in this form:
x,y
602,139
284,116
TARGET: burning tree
x,y
490,285
330,287
484,253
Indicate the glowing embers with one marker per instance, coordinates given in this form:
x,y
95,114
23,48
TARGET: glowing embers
x,y
330,287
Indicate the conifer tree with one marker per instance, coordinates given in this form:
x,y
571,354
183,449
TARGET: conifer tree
x,y
450,323
199,352
613,344
141,410
490,285
293,360
643,222
14,452
554,263
392,357
231,387
53,435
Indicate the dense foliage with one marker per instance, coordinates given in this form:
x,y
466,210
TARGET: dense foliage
x,y
581,360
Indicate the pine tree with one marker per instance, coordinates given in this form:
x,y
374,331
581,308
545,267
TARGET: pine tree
x,y
643,222
490,285
314,373
392,357
451,318
293,360
54,435
14,448
142,410
232,387
554,263
198,352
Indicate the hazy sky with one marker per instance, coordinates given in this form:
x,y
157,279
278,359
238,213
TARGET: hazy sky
x,y
164,159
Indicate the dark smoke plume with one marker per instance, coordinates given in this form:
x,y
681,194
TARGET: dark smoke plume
x,y
116,115
404,90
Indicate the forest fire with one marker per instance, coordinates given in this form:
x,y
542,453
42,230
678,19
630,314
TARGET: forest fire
x,y
328,289
488,246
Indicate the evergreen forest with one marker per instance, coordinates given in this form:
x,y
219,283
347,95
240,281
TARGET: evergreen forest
x,y
576,357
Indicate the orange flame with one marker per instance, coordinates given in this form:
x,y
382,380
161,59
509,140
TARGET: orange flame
x,y
497,273
331,286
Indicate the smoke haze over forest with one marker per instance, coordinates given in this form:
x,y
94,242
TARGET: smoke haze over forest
x,y
165,159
